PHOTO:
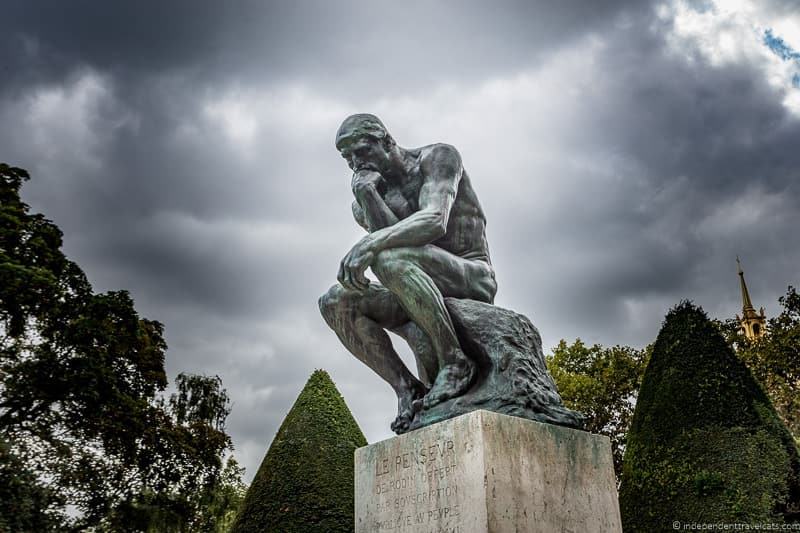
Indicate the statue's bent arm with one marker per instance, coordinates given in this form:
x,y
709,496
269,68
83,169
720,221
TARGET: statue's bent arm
x,y
358,214
442,172
375,212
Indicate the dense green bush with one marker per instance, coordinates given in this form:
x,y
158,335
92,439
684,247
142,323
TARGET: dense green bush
x,y
305,482
705,444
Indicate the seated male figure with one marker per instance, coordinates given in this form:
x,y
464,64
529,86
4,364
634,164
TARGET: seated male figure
x,y
426,241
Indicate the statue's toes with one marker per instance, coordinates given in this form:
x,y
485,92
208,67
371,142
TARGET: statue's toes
x,y
452,381
432,399
401,424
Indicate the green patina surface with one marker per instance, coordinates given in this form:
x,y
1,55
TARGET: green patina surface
x,y
305,482
705,444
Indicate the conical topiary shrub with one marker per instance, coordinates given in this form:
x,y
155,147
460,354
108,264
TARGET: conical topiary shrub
x,y
305,482
705,444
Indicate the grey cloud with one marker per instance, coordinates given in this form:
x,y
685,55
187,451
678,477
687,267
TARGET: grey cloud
x,y
382,45
684,141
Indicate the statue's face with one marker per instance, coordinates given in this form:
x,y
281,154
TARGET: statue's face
x,y
366,153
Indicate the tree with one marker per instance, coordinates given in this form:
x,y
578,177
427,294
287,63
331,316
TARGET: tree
x,y
602,383
305,482
227,498
774,358
82,420
22,497
705,444
185,453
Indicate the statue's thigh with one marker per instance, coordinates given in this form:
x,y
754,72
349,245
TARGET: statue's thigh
x,y
379,304
454,276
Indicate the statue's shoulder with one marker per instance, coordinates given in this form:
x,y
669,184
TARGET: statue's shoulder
x,y
437,149
439,154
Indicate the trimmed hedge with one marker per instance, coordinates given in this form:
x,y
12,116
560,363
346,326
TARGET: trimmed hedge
x,y
305,482
705,444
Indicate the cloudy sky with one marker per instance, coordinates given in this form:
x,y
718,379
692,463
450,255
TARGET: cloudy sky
x,y
624,153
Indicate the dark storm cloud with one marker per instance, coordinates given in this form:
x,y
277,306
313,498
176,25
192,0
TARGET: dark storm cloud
x,y
699,147
162,61
185,148
376,43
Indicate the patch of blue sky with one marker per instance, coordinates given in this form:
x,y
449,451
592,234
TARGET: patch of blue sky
x,y
779,47
784,51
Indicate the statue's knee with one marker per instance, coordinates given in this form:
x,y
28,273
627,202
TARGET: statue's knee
x,y
487,290
331,301
389,264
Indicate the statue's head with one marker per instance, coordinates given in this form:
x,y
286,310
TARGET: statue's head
x,y
363,141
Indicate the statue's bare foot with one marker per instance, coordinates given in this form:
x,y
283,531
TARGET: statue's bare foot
x,y
408,403
453,380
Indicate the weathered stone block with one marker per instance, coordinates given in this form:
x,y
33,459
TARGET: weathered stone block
x,y
485,472
512,378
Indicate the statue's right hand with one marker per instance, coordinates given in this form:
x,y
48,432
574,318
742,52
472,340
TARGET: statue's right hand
x,y
351,269
366,182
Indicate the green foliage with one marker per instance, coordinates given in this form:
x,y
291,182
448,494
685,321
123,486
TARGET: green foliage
x,y
305,482
216,511
82,421
227,497
22,497
602,383
774,358
705,444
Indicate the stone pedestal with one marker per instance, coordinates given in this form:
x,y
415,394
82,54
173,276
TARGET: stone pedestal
x,y
485,472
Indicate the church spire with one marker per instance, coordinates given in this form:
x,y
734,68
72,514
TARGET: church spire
x,y
746,303
752,323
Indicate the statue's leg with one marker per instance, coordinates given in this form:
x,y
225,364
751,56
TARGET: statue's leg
x,y
421,278
425,355
359,319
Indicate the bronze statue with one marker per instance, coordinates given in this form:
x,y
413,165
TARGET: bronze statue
x,y
426,243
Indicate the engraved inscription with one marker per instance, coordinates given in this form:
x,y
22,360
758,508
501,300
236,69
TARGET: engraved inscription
x,y
416,490
416,520
425,455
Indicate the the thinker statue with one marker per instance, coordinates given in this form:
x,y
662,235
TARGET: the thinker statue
x,y
426,244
